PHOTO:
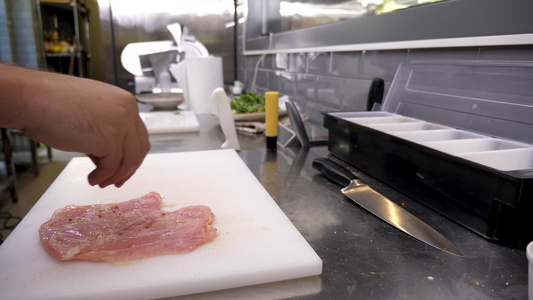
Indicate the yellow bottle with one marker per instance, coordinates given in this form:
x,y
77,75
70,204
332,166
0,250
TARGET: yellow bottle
x,y
271,119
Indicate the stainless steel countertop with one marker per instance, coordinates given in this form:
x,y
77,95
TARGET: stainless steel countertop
x,y
363,257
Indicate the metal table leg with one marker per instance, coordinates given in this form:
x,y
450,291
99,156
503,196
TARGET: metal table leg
x,y
10,166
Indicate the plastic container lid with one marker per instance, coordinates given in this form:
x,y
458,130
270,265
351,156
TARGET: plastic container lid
x,y
490,97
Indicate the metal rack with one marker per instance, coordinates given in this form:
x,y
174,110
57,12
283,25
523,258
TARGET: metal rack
x,y
74,17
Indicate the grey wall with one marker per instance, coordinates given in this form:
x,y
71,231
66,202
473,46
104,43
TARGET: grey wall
x,y
332,81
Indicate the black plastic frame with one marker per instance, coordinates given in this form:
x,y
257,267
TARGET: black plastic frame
x,y
498,205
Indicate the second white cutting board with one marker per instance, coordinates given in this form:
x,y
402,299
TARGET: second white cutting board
x,y
170,121
256,242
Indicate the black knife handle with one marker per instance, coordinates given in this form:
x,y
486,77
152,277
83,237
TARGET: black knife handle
x,y
375,93
333,171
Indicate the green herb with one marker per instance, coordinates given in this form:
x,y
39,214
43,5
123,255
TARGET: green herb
x,y
248,102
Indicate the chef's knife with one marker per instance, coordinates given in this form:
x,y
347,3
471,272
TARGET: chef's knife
x,y
382,207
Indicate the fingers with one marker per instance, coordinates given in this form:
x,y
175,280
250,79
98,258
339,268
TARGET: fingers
x,y
119,165
106,167
134,152
131,160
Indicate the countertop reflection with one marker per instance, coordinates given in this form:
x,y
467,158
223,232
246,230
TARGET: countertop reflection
x,y
363,257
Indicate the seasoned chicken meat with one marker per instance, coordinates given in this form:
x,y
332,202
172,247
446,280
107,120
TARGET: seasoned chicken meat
x,y
125,231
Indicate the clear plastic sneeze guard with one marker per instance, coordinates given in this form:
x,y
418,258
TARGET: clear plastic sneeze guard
x,y
493,98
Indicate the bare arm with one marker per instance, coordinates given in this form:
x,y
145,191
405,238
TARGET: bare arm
x,y
79,115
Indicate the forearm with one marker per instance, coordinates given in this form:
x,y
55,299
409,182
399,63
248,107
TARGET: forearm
x,y
76,114
13,95
48,106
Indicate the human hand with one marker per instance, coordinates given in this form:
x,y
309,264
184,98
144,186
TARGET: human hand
x,y
87,116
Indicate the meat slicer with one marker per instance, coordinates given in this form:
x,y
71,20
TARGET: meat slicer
x,y
148,60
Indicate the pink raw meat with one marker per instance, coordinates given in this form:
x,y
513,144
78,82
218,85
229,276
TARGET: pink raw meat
x,y
125,231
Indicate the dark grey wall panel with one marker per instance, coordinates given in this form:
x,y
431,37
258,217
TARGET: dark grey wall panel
x,y
443,20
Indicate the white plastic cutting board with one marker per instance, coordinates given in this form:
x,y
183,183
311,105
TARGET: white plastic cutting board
x,y
256,242
157,122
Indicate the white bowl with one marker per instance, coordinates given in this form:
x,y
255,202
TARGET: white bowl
x,y
161,101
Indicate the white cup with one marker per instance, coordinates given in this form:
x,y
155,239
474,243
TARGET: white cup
x,y
199,77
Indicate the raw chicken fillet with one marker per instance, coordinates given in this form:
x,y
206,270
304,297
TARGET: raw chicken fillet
x,y
125,231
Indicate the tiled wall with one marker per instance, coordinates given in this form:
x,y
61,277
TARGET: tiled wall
x,y
334,81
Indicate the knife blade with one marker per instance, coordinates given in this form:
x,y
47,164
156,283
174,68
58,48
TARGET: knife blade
x,y
380,206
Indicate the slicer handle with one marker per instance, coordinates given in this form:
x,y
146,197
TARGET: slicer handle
x,y
333,171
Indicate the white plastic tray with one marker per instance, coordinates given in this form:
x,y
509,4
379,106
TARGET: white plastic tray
x,y
500,154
